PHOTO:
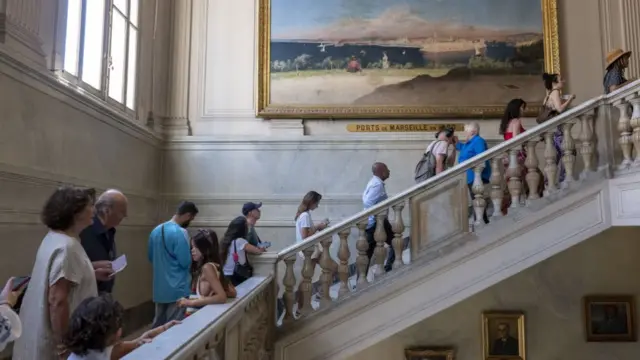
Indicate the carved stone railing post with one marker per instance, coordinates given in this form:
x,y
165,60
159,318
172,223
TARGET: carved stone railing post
x,y
398,230
497,192
550,167
624,126
515,182
362,260
479,204
289,296
343,268
587,146
568,152
306,285
380,236
635,125
533,175
326,279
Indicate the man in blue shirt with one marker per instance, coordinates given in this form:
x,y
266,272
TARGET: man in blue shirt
x,y
473,146
375,193
169,252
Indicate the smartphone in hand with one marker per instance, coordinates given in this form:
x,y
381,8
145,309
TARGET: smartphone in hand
x,y
264,245
19,282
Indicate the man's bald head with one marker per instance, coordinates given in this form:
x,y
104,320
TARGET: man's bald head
x,y
380,170
111,207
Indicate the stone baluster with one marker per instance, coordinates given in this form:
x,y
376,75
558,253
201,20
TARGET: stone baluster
x,y
568,147
624,126
587,146
289,282
533,175
497,193
343,268
306,285
635,125
380,236
362,261
398,230
479,204
550,167
515,182
328,267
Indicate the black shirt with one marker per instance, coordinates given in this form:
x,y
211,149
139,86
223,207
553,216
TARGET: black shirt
x,y
99,244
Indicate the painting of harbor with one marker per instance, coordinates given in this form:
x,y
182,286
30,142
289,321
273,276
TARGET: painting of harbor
x,y
421,54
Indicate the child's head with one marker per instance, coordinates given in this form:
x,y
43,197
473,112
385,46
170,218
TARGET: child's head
x,y
94,325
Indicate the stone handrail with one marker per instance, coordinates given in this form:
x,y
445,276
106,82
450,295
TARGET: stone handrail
x,y
239,329
509,186
503,147
460,168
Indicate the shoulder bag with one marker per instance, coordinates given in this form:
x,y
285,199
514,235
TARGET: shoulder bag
x,y
426,167
546,112
243,271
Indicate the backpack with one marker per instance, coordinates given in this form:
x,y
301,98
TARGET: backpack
x,y
426,167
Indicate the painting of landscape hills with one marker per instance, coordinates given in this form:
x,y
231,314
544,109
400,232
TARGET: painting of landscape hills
x,y
405,52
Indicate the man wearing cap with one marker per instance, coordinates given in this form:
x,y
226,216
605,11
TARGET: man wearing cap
x,y
251,211
617,61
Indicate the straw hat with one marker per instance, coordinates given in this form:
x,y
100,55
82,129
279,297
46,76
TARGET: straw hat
x,y
614,55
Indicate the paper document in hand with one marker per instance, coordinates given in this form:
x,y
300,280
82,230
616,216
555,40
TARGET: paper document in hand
x,y
119,264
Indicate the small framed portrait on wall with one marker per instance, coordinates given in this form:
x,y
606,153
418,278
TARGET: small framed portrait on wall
x,y
609,318
429,354
503,335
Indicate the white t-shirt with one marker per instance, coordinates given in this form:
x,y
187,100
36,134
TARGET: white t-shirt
x,y
93,355
303,221
229,264
10,326
438,147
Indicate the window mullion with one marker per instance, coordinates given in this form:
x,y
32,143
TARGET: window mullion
x,y
107,48
83,22
126,58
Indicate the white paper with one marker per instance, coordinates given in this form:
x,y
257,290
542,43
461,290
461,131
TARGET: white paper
x,y
119,264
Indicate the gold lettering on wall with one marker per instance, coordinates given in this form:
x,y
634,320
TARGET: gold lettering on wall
x,y
401,127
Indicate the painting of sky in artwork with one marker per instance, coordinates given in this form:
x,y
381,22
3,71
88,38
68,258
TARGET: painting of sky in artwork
x,y
405,52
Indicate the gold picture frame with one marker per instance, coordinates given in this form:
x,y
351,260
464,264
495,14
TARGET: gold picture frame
x,y
498,340
621,325
269,110
429,353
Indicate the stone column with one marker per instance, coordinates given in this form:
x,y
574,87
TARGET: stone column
x,y
177,121
19,27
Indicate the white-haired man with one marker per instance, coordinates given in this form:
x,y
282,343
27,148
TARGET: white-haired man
x,y
473,146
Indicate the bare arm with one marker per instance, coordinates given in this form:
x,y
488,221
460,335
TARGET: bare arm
x,y
211,276
554,98
254,249
616,87
59,307
122,349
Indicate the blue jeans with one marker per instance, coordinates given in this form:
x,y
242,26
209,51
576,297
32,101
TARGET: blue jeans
x,y
166,313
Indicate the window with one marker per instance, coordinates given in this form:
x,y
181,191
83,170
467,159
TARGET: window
x,y
101,48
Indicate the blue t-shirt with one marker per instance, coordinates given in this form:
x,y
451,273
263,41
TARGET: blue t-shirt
x,y
171,262
469,149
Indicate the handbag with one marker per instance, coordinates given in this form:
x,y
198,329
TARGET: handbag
x,y
243,271
546,112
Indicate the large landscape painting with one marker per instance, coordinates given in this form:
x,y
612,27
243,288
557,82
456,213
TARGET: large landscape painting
x,y
403,58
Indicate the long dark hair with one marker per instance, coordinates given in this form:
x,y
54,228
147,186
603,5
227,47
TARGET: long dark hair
x,y
206,241
238,228
513,111
311,198
549,80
